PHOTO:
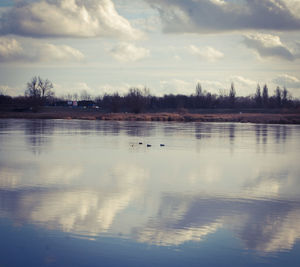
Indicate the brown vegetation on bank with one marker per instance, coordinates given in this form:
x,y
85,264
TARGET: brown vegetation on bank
x,y
279,118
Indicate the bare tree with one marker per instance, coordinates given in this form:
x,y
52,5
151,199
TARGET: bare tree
x,y
38,91
46,88
33,90
33,94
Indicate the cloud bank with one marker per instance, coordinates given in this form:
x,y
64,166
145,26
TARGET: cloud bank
x,y
208,16
66,18
12,50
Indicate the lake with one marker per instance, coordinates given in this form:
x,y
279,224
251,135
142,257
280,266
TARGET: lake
x,y
86,193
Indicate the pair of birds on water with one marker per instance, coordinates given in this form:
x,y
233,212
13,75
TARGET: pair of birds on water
x,y
148,145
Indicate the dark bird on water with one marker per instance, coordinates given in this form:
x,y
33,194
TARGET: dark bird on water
x,y
162,144
148,145
140,143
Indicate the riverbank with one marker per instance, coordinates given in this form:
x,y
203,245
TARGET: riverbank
x,y
280,118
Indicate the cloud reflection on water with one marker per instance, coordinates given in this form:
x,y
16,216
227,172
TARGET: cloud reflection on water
x,y
264,225
87,211
241,178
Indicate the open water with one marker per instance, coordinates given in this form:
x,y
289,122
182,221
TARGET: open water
x,y
86,193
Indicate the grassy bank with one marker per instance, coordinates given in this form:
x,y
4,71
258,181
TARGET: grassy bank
x,y
69,113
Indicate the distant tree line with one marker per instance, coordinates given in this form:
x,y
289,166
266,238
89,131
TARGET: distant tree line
x,y
139,100
39,92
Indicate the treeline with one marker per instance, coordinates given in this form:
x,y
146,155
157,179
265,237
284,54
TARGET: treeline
x,y
140,100
39,93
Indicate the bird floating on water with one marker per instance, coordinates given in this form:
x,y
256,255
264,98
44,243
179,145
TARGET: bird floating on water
x,y
140,143
162,144
149,145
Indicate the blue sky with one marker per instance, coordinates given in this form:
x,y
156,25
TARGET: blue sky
x,y
167,45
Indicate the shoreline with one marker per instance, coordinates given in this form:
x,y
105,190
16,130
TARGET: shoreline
x,y
264,118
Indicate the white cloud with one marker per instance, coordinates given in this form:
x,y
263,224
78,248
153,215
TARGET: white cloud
x,y
242,82
9,49
77,88
177,58
208,16
287,80
293,6
126,52
207,53
211,86
49,52
12,91
244,86
176,86
12,50
268,46
66,18
120,88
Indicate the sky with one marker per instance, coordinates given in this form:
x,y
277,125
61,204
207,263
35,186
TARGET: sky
x,y
107,46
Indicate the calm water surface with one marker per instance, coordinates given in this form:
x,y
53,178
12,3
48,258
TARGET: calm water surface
x,y
81,193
